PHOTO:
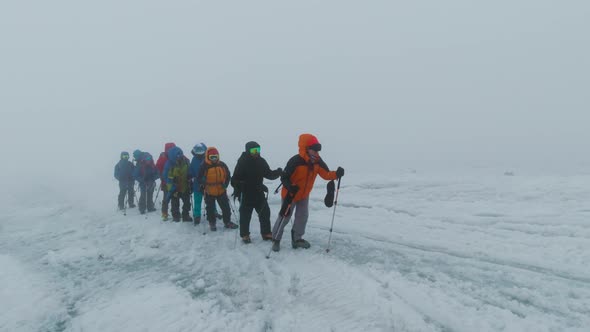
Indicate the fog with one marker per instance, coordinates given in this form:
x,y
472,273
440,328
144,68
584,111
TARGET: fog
x,y
385,85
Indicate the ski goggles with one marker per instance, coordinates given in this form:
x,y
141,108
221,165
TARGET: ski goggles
x,y
255,150
125,156
213,157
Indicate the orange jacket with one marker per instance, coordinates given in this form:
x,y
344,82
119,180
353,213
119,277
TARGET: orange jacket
x,y
301,171
214,177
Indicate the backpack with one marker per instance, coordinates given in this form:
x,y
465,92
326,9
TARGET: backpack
x,y
147,168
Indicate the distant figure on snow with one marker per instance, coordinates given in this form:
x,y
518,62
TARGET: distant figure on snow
x,y
124,173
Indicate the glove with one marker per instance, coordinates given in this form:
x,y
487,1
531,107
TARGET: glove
x,y
264,188
286,206
279,170
340,172
293,189
175,194
329,199
237,194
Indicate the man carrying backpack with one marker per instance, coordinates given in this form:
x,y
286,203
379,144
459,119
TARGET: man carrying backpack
x,y
124,173
247,182
178,184
146,174
160,164
298,180
214,178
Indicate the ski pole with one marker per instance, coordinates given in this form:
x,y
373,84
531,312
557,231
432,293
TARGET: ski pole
x,y
136,198
281,226
238,220
333,214
126,202
277,190
157,194
190,198
146,200
204,212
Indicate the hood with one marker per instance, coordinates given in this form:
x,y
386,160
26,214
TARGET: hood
x,y
211,151
168,146
136,154
173,154
305,141
250,145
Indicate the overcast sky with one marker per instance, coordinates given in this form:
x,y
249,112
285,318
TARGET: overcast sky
x,y
379,82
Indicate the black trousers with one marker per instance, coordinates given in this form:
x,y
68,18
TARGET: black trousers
x,y
164,202
126,189
263,216
223,202
186,206
146,197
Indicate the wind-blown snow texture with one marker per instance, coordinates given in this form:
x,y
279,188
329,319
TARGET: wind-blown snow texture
x,y
410,253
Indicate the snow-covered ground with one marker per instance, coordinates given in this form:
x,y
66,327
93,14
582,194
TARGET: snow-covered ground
x,y
411,252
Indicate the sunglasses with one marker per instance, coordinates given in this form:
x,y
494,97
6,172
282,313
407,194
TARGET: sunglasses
x,y
213,157
125,156
255,150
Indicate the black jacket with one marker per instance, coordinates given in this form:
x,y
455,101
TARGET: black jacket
x,y
248,177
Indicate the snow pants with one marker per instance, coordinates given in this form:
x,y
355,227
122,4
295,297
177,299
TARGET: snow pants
x,y
223,202
263,216
146,197
301,210
126,188
198,202
175,206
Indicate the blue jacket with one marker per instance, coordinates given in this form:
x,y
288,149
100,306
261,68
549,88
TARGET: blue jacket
x,y
196,164
124,171
176,171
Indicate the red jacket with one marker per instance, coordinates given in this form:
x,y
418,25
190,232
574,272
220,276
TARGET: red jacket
x,y
162,159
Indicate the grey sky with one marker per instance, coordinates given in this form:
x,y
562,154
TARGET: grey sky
x,y
412,82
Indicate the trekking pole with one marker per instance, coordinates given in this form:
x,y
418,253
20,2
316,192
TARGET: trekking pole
x,y
277,190
333,213
146,199
204,213
156,199
190,198
136,198
281,226
234,212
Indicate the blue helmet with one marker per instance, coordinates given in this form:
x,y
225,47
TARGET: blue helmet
x,y
199,149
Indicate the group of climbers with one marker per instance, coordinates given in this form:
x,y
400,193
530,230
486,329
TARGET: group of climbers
x,y
207,178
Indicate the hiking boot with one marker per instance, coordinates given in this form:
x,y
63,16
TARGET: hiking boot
x,y
151,209
142,212
267,237
131,206
164,216
212,226
301,243
230,225
197,220
246,239
276,245
187,218
175,219
121,207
